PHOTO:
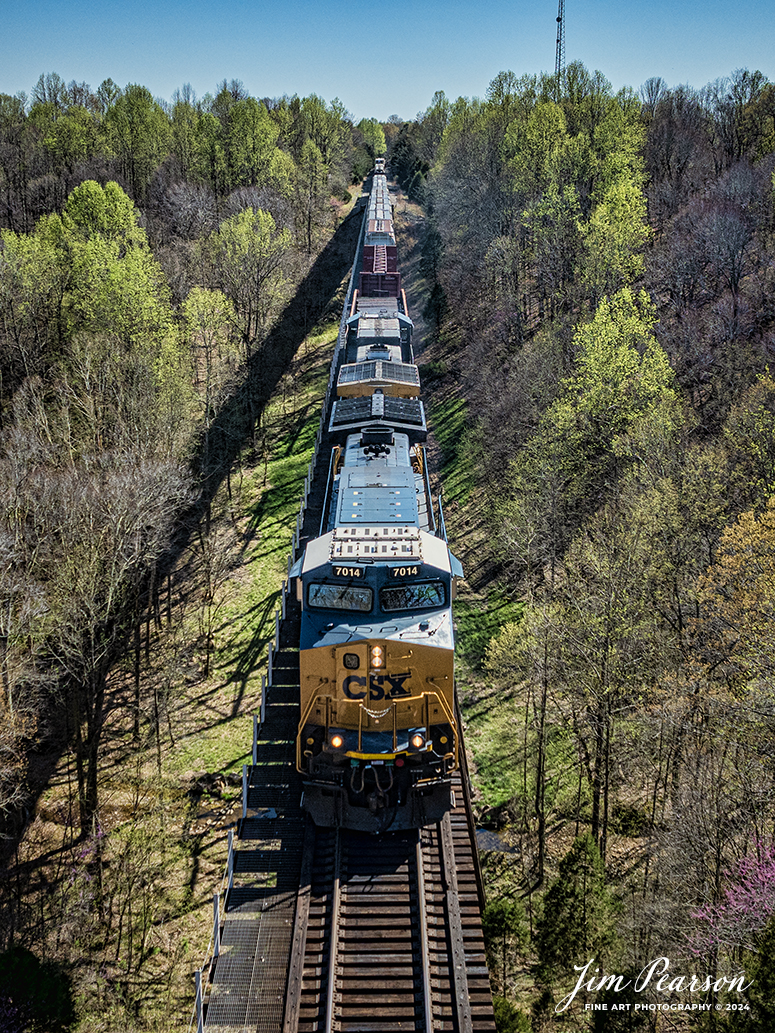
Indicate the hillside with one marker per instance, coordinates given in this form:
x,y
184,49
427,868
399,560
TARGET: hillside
x,y
599,267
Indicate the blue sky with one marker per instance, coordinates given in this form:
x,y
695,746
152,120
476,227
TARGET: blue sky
x,y
392,65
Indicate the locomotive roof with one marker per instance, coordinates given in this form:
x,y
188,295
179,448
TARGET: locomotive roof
x,y
377,543
376,325
369,497
386,308
406,415
380,372
377,484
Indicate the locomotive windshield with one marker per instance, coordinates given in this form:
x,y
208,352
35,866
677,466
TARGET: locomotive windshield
x,y
340,597
412,595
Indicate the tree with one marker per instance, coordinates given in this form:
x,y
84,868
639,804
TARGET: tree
x,y
749,435
433,122
615,237
533,144
94,542
620,373
113,283
554,247
210,320
210,153
250,143
748,904
502,925
312,192
373,135
73,138
245,260
762,989
94,451
579,914
737,622
33,283
139,134
677,152
185,119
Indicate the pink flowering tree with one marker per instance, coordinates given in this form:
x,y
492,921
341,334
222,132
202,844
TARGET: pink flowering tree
x,y
747,905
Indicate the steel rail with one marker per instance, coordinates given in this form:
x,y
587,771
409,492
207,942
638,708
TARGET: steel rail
x,y
336,904
455,928
422,905
300,926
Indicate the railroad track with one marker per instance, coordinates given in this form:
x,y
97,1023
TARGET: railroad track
x,y
387,936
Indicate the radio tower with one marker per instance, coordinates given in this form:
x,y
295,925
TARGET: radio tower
x,y
559,61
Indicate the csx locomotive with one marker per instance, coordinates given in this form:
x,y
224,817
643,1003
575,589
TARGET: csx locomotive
x,y
378,736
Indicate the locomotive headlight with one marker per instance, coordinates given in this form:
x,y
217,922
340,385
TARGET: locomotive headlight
x,y
337,741
417,741
377,656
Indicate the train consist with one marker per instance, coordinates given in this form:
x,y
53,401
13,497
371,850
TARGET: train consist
x,y
378,736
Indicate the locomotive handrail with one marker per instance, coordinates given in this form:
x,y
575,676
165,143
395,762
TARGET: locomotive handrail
x,y
329,491
442,532
431,516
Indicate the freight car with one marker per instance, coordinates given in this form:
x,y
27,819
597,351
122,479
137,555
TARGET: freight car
x,y
378,736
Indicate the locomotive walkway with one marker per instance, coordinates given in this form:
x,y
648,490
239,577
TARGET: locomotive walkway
x,y
324,930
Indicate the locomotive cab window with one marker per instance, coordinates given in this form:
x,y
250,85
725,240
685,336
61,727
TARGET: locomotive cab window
x,y
339,597
412,595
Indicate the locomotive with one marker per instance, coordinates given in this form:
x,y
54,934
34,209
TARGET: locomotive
x,y
378,736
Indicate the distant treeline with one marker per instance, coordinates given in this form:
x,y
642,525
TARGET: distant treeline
x,y
65,133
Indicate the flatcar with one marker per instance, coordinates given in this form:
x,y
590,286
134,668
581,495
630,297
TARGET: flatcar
x,y
378,736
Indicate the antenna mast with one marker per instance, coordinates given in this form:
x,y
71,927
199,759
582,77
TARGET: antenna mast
x,y
559,62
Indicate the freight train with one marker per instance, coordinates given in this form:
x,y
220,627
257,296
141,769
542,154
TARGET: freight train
x,y
378,737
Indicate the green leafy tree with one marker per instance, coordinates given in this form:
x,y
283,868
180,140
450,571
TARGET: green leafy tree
x,y
245,260
312,191
554,247
615,237
568,464
185,118
578,921
114,284
533,144
210,153
508,1018
373,135
503,925
73,138
210,320
138,132
250,143
33,282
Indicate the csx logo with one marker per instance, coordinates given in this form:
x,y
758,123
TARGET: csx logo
x,y
380,686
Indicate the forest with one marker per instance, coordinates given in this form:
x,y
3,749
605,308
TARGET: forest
x,y
149,256
603,269
600,270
